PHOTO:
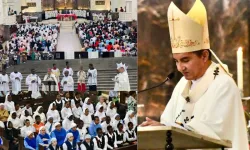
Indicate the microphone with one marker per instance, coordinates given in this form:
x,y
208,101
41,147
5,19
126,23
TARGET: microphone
x,y
169,77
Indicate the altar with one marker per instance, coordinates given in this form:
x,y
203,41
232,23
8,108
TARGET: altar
x,y
64,17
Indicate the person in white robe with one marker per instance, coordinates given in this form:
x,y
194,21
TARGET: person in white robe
x,y
18,110
67,82
16,80
100,113
66,124
52,78
77,99
77,111
9,104
4,85
82,130
52,112
218,111
33,81
26,128
130,117
39,112
69,69
50,125
27,107
121,79
15,120
88,104
86,118
92,78
116,121
56,72
101,102
66,111
25,115
105,124
111,110
81,74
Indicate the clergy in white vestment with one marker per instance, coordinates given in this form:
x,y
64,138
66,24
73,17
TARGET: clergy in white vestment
x,y
56,72
4,85
33,81
67,82
9,104
51,78
92,78
16,80
121,79
69,69
206,100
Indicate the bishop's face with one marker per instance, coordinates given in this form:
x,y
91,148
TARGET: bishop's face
x,y
190,65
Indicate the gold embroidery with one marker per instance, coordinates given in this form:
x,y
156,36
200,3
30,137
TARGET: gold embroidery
x,y
179,43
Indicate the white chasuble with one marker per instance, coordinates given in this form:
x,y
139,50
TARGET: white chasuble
x,y
212,108
122,82
16,79
69,86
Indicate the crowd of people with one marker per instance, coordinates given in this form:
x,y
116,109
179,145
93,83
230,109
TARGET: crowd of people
x,y
79,122
33,40
66,83
107,36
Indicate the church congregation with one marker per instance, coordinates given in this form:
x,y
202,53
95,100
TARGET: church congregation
x,y
104,122
108,36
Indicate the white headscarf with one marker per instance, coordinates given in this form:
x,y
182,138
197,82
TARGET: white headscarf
x,y
10,106
73,125
42,127
128,119
28,133
68,136
53,139
87,136
57,123
111,112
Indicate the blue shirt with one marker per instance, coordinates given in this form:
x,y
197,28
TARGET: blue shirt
x,y
59,135
92,129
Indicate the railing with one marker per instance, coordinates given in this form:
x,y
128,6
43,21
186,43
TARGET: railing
x,y
125,16
10,20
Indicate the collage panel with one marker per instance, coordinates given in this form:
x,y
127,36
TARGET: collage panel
x,y
68,75
193,74
89,117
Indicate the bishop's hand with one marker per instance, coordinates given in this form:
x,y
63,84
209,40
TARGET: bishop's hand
x,y
150,122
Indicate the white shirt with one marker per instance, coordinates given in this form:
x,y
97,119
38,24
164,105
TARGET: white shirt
x,y
47,126
66,112
100,139
104,126
66,124
77,112
86,119
127,136
111,136
29,110
70,70
55,114
23,118
82,133
25,129
92,80
69,86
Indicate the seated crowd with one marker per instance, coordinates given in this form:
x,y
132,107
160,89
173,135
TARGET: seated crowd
x,y
72,123
34,40
107,36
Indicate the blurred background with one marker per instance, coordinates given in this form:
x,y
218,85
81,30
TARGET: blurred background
x,y
228,22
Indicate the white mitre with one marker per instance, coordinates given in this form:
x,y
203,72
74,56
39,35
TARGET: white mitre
x,y
189,32
121,65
